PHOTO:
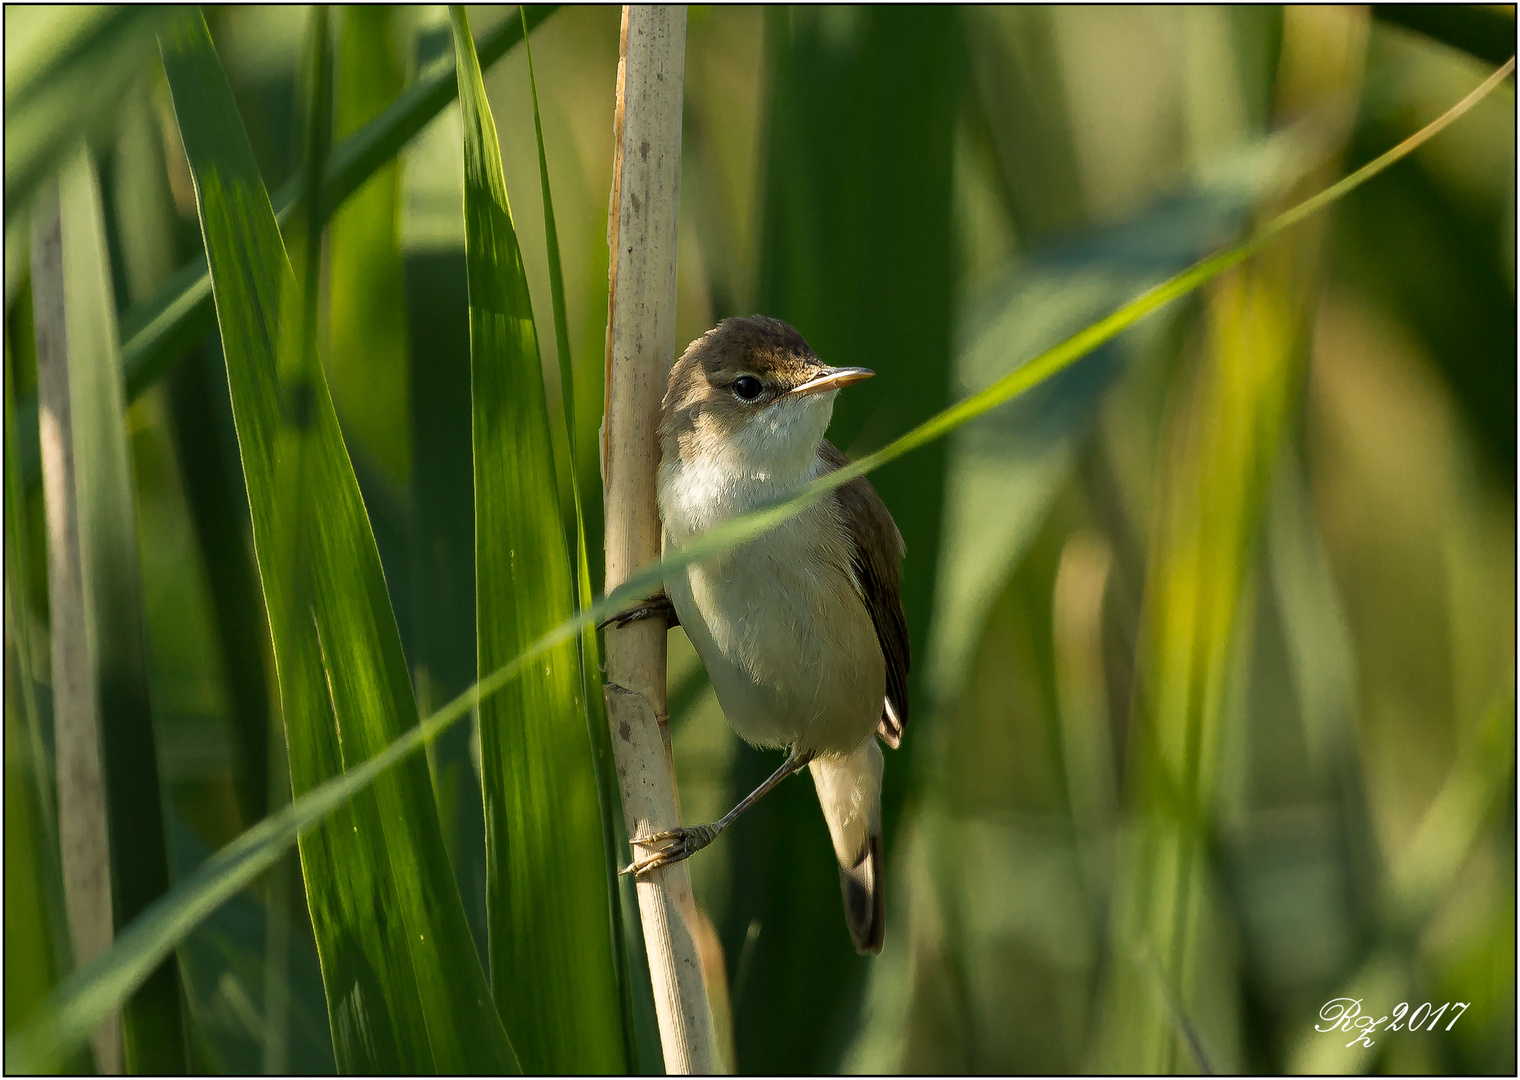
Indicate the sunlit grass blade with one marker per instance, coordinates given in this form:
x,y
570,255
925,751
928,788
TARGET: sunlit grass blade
x,y
546,883
65,70
151,236
159,331
405,991
590,662
93,991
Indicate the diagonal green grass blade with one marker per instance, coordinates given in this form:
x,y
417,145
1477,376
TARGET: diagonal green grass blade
x,y
546,881
404,990
161,329
92,992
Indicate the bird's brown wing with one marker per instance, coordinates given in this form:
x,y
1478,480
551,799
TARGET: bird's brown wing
x,y
877,547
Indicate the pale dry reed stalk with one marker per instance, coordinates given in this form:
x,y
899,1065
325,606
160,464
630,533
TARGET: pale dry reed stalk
x,y
83,839
640,347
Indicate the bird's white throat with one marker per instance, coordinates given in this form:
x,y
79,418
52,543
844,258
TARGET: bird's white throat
x,y
717,476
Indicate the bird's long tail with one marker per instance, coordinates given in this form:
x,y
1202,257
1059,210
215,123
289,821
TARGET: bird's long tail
x,y
849,790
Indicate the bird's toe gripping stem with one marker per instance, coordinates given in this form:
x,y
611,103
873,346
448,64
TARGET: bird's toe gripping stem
x,y
671,846
656,607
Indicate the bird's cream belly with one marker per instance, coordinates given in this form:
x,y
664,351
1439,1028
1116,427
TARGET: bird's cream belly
x,y
787,641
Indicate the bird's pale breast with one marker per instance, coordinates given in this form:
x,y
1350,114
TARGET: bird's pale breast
x,y
779,622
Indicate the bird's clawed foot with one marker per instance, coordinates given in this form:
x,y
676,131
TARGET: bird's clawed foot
x,y
656,607
671,846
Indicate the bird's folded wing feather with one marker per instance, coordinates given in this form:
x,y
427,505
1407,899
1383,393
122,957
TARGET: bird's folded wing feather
x,y
877,547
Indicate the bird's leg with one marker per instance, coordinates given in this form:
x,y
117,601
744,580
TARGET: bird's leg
x,y
658,606
681,843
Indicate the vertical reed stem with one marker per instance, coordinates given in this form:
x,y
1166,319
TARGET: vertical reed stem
x,y
82,837
640,347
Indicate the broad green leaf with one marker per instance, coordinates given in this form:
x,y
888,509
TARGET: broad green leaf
x,y
146,231
152,1033
552,968
159,331
90,993
404,990
591,683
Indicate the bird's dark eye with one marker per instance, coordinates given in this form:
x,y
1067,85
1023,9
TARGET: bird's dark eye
x,y
747,387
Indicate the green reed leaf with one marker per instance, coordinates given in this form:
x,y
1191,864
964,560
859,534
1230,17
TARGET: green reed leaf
x,y
405,991
546,881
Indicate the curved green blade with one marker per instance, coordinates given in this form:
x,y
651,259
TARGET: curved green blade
x,y
404,989
546,859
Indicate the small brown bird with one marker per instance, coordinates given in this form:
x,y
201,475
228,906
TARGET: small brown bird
x,y
802,629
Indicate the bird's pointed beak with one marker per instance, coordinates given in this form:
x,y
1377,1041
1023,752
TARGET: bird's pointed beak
x,y
833,379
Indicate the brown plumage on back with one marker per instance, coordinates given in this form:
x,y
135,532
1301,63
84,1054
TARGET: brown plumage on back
x,y
873,531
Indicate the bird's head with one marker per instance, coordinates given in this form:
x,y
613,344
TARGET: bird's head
x,y
752,389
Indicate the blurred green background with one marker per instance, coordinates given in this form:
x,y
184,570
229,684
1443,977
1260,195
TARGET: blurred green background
x,y
1213,633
